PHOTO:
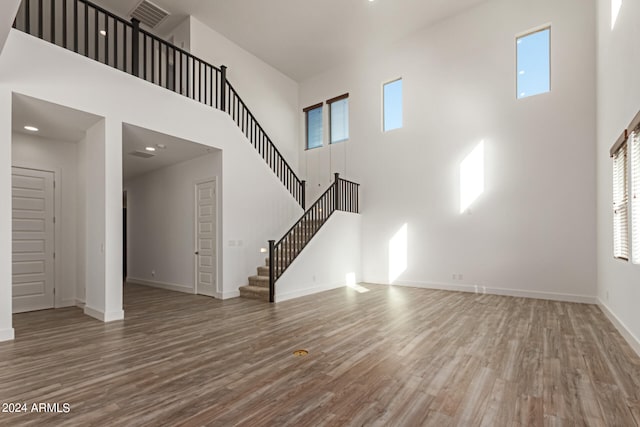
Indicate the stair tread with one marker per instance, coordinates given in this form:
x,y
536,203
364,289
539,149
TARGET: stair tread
x,y
256,289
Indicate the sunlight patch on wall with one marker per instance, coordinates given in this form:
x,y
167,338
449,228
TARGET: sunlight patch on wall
x,y
472,177
615,11
398,254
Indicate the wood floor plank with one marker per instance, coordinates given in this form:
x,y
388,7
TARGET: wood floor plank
x,y
388,357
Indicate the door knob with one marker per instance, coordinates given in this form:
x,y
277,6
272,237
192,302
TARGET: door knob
x,y
197,252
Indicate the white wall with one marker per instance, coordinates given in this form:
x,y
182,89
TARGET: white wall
x,y
6,329
532,231
618,102
59,157
325,263
161,223
8,10
270,95
255,205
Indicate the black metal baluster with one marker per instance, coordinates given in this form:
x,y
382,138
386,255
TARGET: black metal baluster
x,y
175,74
40,18
106,39
96,34
124,47
75,25
27,16
64,23
115,44
53,21
153,60
135,46
145,41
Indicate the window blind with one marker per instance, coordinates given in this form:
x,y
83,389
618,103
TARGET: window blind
x,y
620,204
314,126
339,119
635,195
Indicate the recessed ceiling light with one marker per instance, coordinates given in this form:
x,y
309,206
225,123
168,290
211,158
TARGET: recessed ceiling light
x,y
103,32
31,128
150,148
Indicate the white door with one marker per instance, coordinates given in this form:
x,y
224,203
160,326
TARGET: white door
x,y
206,260
33,239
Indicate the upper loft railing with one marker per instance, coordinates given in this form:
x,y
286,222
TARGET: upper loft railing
x,y
98,34
342,195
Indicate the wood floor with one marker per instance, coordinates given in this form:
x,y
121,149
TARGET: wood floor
x,y
389,356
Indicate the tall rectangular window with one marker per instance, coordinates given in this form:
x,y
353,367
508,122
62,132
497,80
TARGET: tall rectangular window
x,y
533,63
634,141
620,200
392,105
339,118
313,119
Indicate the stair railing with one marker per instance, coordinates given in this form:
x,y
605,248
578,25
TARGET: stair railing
x,y
98,34
342,195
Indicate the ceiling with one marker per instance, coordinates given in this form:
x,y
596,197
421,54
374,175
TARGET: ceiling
x,y
53,121
176,151
302,38
61,123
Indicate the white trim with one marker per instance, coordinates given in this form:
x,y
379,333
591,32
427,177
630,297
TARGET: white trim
x,y
67,303
162,285
104,317
626,333
80,303
7,334
307,291
228,295
552,296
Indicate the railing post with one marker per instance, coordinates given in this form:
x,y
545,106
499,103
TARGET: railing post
x,y
335,191
223,88
272,273
135,49
304,192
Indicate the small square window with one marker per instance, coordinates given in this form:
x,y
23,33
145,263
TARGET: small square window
x,y
392,105
533,63
313,120
339,118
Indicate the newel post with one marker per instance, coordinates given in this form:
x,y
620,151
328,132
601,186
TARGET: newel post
x,y
272,273
223,88
135,49
304,191
335,191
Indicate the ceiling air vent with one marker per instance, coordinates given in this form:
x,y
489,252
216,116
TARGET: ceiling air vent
x,y
149,14
141,153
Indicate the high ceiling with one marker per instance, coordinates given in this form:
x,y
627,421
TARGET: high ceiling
x,y
302,38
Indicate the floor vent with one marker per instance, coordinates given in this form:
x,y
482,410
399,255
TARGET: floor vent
x,y
149,14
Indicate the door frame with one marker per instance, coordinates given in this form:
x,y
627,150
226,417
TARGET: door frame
x,y
213,179
57,247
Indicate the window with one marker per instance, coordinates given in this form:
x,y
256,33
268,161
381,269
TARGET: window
x,y
620,199
533,63
616,5
634,141
392,105
339,118
313,120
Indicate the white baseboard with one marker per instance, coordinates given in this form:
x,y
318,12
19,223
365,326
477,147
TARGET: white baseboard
x,y
279,297
228,295
633,341
110,316
7,334
80,303
583,299
67,303
161,285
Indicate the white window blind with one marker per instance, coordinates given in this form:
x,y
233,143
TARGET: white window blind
x,y
339,119
635,195
620,205
314,126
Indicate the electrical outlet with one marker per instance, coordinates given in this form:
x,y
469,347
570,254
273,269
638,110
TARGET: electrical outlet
x,y
153,273
607,295
460,276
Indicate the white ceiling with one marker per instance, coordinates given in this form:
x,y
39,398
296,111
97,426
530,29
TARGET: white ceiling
x,y
53,121
302,38
177,150
61,123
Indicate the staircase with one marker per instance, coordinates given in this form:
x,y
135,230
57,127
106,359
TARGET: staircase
x,y
258,287
341,195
